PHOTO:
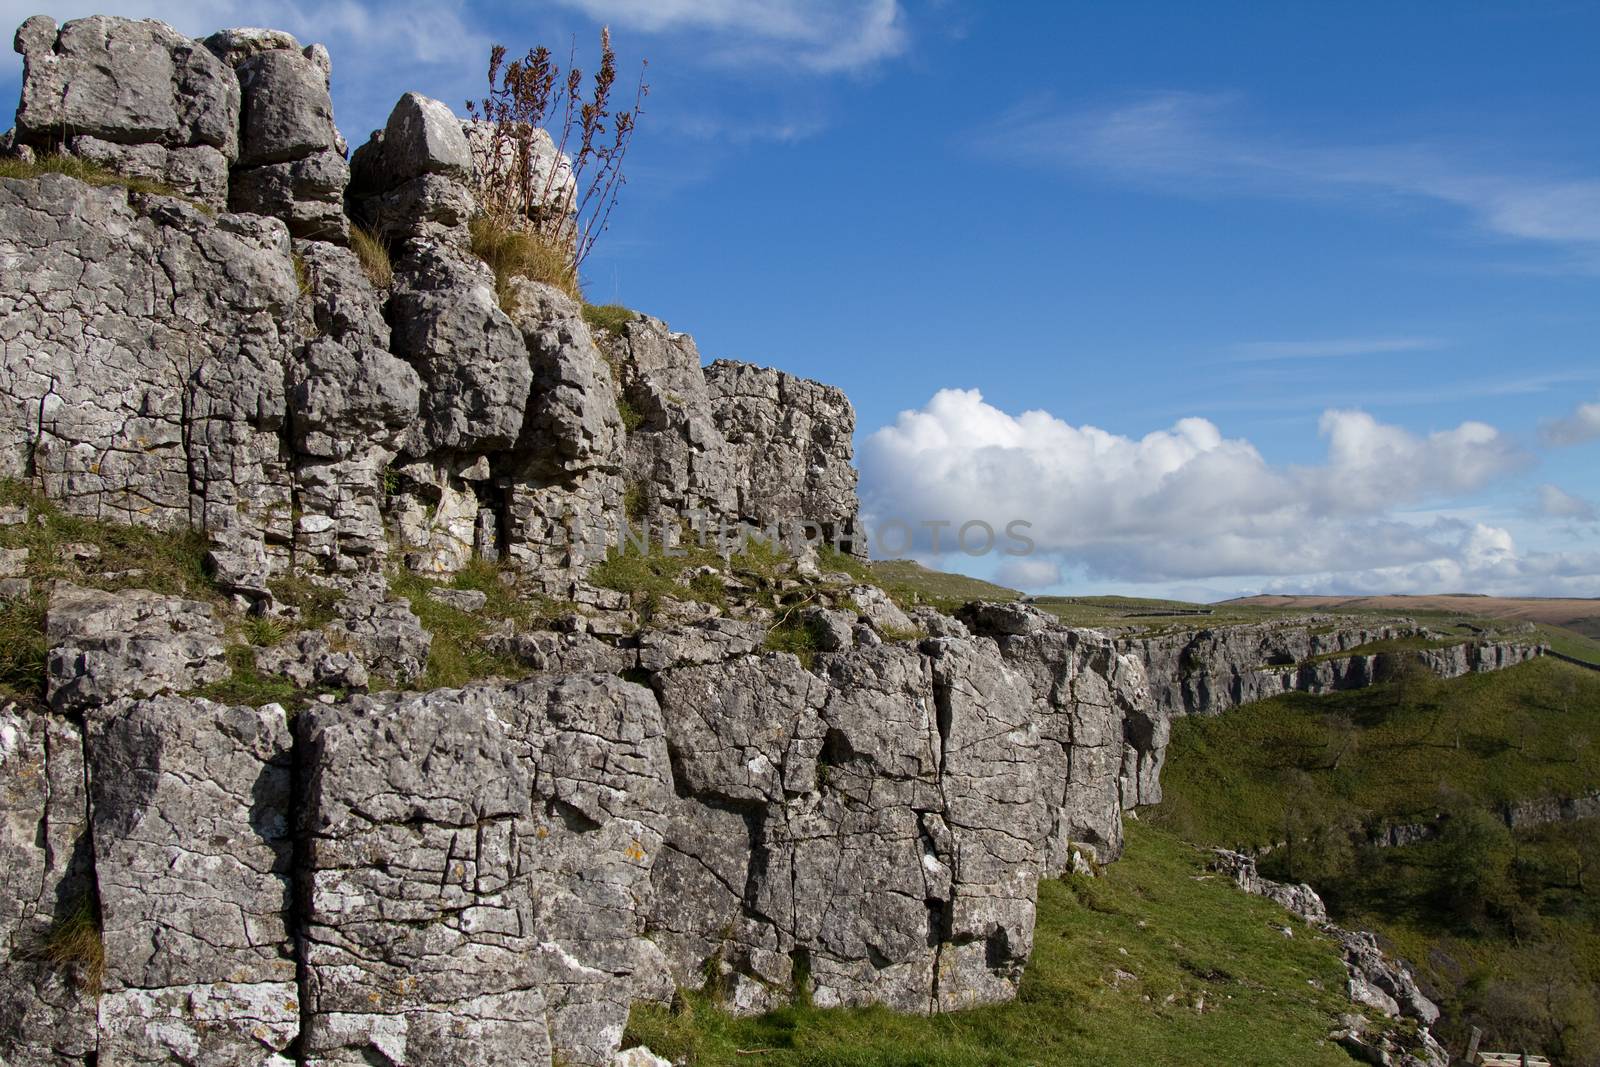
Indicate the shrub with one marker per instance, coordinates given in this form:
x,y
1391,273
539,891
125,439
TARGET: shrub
x,y
517,252
373,255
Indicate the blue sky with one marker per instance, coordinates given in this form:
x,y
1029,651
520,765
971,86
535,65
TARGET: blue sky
x,y
1221,297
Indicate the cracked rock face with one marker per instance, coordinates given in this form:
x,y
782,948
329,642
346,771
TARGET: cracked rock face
x,y
192,859
46,1016
479,866
881,825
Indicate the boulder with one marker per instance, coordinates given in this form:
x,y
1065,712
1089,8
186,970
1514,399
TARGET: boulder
x,y
124,82
469,354
286,112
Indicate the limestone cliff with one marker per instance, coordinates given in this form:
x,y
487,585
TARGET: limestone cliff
x,y
641,790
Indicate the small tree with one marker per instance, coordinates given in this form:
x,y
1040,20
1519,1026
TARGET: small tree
x,y
567,198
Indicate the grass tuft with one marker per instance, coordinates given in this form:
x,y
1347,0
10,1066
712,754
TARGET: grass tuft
x,y
373,255
609,317
247,685
74,943
90,174
458,654
518,252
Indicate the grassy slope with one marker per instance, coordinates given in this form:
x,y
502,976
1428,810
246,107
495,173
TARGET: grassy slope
x,y
1232,779
1156,915
1254,774
909,581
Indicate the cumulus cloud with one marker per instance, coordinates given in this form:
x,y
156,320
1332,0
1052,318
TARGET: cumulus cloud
x,y
1478,559
1180,503
1557,503
1580,426
822,35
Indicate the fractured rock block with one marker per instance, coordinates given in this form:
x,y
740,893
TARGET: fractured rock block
x,y
480,870
134,644
193,855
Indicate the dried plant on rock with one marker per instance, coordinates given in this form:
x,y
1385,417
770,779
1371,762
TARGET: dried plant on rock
x,y
548,157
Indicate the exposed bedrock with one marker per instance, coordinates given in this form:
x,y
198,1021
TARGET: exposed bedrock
x,y
1210,671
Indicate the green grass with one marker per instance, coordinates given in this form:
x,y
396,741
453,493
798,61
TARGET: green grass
x,y
1503,928
246,685
458,654
1183,935
1238,779
84,171
911,583
130,557
609,317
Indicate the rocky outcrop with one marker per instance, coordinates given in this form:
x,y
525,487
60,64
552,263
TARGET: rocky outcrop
x,y
1376,981
492,872
259,388
1209,671
733,442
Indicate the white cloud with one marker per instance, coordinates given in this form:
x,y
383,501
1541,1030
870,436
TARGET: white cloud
x,y
821,35
1181,503
1481,559
1557,503
1254,351
1190,143
1580,426
1029,575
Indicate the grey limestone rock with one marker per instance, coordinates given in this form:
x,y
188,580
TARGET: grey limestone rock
x,y
1102,745
469,354
1208,671
190,804
389,638
350,405
109,645
286,112
518,825
46,1015
877,608
413,178
790,440
309,659
422,136
149,396
926,902
124,82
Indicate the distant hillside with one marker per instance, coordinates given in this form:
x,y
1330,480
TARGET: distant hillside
x,y
1502,925
1570,624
